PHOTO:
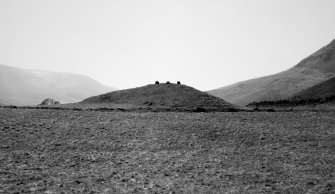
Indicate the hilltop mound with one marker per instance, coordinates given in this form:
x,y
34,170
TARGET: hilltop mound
x,y
314,69
164,96
322,90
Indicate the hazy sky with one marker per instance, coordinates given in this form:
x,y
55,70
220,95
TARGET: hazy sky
x,y
128,43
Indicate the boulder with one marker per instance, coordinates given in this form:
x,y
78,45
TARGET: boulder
x,y
49,101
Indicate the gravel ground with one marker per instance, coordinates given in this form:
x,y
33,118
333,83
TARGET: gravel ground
x,y
67,151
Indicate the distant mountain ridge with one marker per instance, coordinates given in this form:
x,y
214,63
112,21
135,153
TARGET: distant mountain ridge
x,y
163,95
316,68
30,87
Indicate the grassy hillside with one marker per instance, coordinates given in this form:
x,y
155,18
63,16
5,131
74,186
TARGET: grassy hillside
x,y
321,90
27,87
314,69
162,95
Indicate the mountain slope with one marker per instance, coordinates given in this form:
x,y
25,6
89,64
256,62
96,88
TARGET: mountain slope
x,y
321,90
30,87
163,95
314,69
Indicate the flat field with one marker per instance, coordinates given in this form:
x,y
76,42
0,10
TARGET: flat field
x,y
55,151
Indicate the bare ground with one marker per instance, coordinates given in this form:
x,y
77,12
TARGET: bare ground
x,y
55,151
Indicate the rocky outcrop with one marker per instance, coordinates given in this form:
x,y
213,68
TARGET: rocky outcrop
x,y
49,101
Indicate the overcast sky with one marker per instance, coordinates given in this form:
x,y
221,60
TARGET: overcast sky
x,y
128,43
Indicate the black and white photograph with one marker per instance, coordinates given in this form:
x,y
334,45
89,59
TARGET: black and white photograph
x,y
167,96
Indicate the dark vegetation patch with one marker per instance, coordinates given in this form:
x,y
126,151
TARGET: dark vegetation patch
x,y
55,151
293,102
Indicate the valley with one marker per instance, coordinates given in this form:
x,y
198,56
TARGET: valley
x,y
167,97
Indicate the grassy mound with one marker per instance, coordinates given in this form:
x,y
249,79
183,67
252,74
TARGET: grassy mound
x,y
173,96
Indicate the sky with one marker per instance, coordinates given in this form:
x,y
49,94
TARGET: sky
x,y
205,44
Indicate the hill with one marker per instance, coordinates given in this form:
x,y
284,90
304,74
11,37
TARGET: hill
x,y
314,69
163,96
30,87
319,91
